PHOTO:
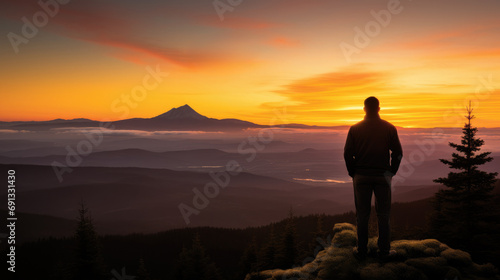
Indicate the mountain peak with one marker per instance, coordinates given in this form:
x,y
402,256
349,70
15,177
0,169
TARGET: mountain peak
x,y
182,112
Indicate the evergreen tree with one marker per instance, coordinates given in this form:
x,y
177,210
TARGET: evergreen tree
x,y
89,263
249,261
287,249
320,234
142,272
269,251
60,271
195,264
463,209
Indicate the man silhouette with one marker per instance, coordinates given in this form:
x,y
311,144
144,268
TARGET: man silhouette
x,y
372,154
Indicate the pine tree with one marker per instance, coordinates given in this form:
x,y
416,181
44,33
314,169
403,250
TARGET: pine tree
x,y
269,251
89,263
319,234
463,209
195,264
287,251
249,261
142,272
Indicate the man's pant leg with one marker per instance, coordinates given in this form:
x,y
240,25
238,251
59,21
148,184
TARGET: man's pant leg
x,y
362,200
382,190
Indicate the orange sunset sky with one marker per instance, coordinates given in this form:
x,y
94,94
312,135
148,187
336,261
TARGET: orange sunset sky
x,y
424,63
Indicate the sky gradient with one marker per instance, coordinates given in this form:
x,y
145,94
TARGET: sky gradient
x,y
91,57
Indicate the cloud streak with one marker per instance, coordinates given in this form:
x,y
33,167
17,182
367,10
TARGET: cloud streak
x,y
125,132
339,95
326,90
119,29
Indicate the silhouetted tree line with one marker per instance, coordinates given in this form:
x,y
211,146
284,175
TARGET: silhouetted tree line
x,y
222,253
218,253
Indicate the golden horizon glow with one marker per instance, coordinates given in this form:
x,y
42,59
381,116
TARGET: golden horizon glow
x,y
424,65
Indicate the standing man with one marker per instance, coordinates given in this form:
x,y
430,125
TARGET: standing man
x,y
372,154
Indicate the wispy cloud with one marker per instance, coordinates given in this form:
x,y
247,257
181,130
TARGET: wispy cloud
x,y
120,29
236,22
339,96
281,41
125,132
449,37
12,131
326,90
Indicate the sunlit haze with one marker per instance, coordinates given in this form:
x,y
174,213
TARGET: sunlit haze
x,y
424,63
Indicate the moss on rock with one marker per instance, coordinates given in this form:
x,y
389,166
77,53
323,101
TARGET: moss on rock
x,y
415,260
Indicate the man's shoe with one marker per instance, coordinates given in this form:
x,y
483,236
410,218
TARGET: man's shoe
x,y
359,255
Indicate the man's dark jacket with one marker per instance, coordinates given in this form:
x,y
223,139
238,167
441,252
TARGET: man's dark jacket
x,y
369,145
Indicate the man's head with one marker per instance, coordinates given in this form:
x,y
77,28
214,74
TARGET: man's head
x,y
372,105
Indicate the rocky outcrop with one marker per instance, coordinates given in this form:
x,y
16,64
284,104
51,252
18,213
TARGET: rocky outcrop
x,y
415,259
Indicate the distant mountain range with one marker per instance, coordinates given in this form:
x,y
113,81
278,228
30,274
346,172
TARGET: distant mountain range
x,y
130,199
183,118
147,200
307,166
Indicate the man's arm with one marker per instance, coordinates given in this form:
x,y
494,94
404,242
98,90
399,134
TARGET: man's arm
x,y
349,159
396,152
